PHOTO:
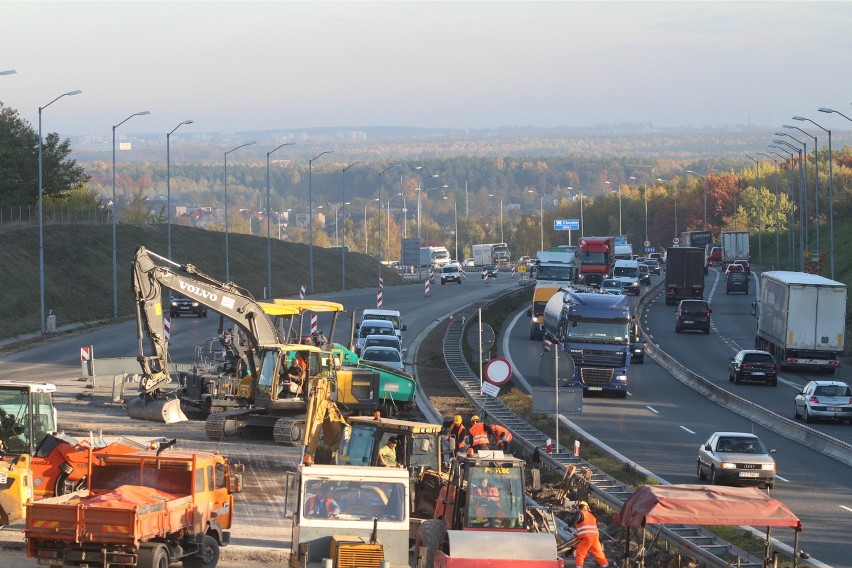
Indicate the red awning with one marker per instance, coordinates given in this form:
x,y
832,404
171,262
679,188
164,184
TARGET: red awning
x,y
704,505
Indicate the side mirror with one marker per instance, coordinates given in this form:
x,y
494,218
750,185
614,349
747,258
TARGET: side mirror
x,y
754,309
403,328
529,313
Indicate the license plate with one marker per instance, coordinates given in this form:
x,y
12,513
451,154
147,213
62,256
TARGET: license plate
x,y
688,321
50,561
3,477
595,388
749,474
758,374
830,409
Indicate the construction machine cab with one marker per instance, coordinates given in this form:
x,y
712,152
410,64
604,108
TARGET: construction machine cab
x,y
27,416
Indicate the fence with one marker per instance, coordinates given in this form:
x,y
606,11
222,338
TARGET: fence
x,y
17,216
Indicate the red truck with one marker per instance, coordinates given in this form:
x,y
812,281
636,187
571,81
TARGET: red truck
x,y
145,509
597,257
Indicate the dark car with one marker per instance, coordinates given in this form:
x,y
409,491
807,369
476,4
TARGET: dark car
x,y
653,265
745,264
693,315
736,282
489,271
181,306
734,267
736,458
753,365
644,274
658,256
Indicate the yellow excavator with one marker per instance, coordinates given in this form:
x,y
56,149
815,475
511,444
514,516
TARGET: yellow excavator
x,y
258,399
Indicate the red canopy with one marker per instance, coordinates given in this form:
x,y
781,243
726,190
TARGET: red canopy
x,y
704,505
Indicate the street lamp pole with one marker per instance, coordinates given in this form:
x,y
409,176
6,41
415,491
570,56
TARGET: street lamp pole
x,y
114,239
227,249
777,244
816,182
40,202
805,221
788,155
311,213
169,185
830,181
420,190
501,217
380,219
343,247
759,215
268,215
801,203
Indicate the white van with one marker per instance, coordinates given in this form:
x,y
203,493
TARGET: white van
x,y
627,272
372,327
393,316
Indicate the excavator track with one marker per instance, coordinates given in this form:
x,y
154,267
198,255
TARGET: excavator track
x,y
289,431
214,426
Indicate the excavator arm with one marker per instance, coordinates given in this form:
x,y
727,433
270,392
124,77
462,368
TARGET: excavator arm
x,y
231,301
324,419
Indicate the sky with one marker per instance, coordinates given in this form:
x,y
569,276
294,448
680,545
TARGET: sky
x,y
242,66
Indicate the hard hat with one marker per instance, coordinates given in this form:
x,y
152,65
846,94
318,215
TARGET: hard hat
x,y
582,505
457,419
474,418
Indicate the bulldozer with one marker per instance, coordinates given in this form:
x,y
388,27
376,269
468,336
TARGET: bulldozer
x,y
257,398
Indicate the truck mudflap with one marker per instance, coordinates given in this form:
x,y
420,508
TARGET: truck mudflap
x,y
500,549
146,407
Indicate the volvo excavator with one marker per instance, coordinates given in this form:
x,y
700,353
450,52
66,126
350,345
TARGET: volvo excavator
x,y
263,396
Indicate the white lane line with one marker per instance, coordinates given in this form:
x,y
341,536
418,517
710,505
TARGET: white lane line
x,y
847,508
651,408
781,478
687,429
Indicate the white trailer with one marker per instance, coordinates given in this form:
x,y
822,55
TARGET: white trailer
x,y
735,246
801,319
490,253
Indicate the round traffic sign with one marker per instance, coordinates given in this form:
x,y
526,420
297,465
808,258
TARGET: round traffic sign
x,y
498,371
472,336
551,370
647,243
676,241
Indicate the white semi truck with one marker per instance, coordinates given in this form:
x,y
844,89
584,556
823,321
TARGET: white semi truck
x,y
801,319
735,246
491,253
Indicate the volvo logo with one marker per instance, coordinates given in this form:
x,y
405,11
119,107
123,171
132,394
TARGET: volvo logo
x,y
196,291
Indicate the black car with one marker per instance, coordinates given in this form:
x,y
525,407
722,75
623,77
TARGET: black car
x,y
694,315
653,265
736,282
644,274
181,306
753,365
489,271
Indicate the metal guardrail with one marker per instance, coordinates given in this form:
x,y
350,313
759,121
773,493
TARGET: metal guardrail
x,y
693,540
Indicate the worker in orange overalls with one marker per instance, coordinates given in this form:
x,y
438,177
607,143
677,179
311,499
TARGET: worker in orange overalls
x,y
478,434
456,435
587,532
502,437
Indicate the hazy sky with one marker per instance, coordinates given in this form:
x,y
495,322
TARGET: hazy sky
x,y
236,65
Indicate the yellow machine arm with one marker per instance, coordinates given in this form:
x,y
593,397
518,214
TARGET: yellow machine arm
x,y
324,421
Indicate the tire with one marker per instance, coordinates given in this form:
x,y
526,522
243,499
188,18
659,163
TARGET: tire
x,y
707,331
153,557
737,379
796,413
701,475
773,383
429,537
677,329
770,486
713,480
207,555
205,313
808,418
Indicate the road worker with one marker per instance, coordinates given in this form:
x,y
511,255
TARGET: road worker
x,y
478,434
456,435
322,505
587,532
502,438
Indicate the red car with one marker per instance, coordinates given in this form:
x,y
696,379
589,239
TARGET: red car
x,y
715,256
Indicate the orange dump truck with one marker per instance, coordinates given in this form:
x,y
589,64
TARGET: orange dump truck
x,y
144,509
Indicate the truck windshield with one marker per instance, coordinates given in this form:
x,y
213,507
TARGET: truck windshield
x,y
599,331
496,499
593,258
629,271
354,500
268,368
14,421
440,255
558,273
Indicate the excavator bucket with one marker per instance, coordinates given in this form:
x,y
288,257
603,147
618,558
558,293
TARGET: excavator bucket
x,y
156,410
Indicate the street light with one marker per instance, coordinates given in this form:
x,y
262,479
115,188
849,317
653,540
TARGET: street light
x,y
169,185
705,196
805,222
786,149
40,200
501,217
456,224
816,181
777,244
541,214
787,156
830,180
759,217
227,249
380,219
345,203
311,212
268,215
114,240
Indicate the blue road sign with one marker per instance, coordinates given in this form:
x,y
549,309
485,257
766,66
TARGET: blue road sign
x,y
566,224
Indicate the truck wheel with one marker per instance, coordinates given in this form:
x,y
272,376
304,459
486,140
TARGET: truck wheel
x,y
429,537
207,555
153,557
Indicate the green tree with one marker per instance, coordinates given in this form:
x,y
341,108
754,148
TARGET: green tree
x,y
19,162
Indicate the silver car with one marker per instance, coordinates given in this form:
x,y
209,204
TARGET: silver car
x,y
824,399
736,458
611,286
387,356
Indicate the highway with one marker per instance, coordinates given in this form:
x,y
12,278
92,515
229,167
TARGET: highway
x,y
662,422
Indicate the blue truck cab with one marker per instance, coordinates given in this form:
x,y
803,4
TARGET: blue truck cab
x,y
595,330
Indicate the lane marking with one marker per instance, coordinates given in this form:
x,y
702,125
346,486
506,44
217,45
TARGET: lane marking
x,y
847,508
781,478
687,429
652,409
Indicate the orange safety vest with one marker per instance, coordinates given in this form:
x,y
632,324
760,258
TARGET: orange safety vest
x,y
587,527
328,504
501,434
478,435
456,431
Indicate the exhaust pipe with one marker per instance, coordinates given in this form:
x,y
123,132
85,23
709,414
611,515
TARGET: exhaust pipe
x,y
155,410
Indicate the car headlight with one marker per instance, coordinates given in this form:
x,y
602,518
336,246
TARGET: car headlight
x,y
194,304
637,350
728,465
768,466
174,303
621,378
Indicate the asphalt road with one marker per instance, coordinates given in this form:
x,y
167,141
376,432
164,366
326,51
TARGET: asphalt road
x,y
260,525
662,422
